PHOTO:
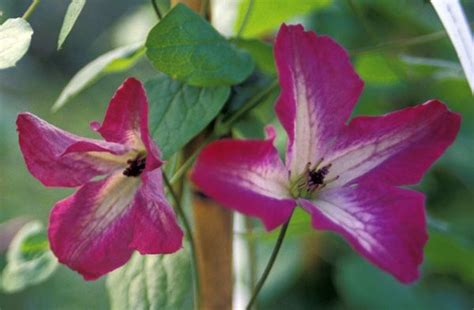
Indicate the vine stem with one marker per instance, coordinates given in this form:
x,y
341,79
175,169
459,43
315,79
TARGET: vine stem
x,y
245,20
250,104
270,264
187,228
187,164
30,9
156,8
426,38
402,43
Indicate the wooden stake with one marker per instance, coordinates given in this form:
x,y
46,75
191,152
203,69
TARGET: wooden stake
x,y
213,232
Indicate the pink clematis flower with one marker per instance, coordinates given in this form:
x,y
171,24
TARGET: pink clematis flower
x,y
96,230
346,176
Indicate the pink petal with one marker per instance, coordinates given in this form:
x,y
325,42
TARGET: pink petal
x,y
319,89
126,120
58,158
247,176
95,230
384,224
155,226
396,148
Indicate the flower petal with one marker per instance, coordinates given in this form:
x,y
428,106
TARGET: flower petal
x,y
95,230
126,121
58,158
319,89
247,176
90,231
396,148
155,226
385,224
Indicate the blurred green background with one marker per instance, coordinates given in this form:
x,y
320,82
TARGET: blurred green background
x,y
314,270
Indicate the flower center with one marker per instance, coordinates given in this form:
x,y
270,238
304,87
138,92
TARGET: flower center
x,y
311,181
135,166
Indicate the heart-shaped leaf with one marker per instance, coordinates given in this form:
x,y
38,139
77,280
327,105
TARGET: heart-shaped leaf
x,y
179,111
189,49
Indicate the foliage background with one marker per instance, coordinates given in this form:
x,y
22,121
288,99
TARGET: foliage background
x,y
313,270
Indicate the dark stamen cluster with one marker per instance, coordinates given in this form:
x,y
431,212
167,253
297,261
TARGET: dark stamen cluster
x,y
135,167
312,180
316,177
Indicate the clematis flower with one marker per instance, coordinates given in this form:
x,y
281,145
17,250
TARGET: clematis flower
x,y
346,176
96,229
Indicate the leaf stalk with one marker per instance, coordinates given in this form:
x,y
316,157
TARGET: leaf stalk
x,y
30,9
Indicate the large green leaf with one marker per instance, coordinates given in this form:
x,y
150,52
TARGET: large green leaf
x,y
29,260
186,47
151,282
114,61
265,16
15,39
179,111
72,13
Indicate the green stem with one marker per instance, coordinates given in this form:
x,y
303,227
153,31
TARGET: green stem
x,y
270,263
156,8
31,9
250,104
426,38
374,38
402,43
245,20
188,163
187,228
252,251
360,17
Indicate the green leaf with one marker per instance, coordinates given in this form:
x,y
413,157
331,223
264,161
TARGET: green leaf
x,y
29,260
124,63
15,39
265,16
184,46
116,60
151,282
72,13
179,111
